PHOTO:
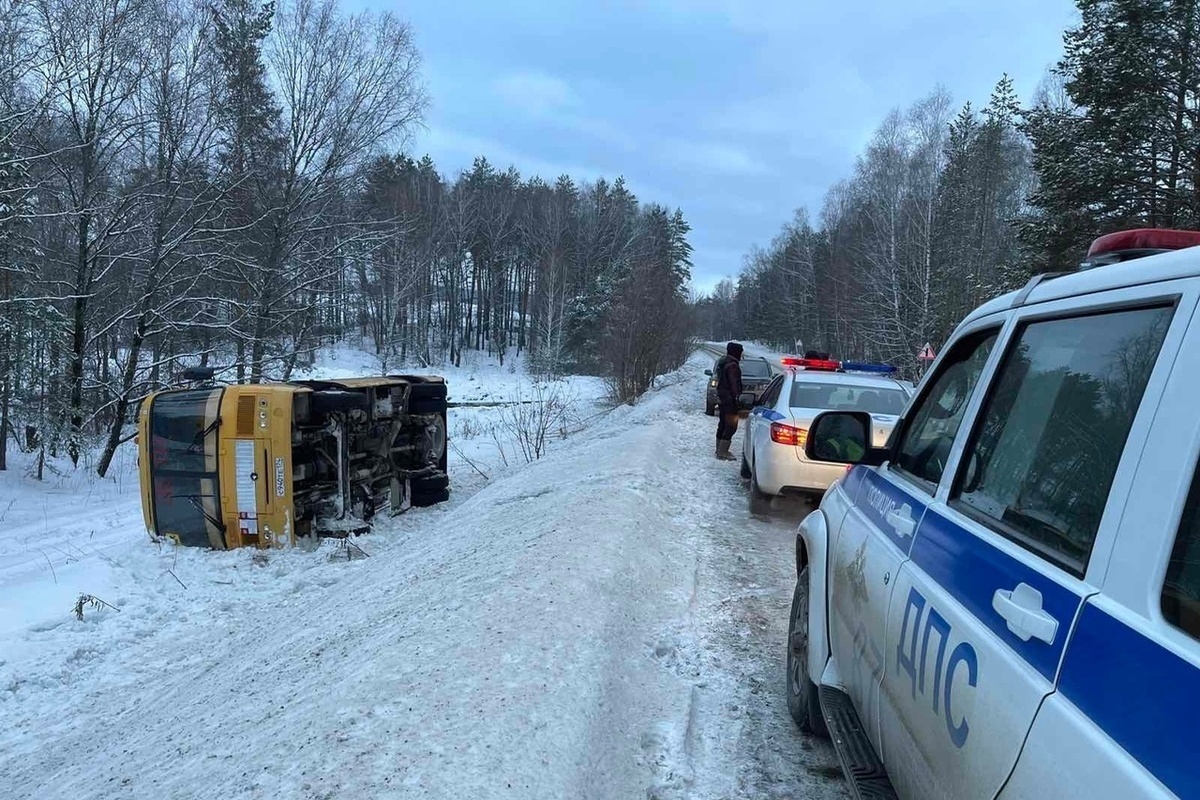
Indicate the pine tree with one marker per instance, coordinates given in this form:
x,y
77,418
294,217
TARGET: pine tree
x,y
251,149
247,109
1127,154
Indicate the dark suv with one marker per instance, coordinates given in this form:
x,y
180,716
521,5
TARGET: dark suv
x,y
756,374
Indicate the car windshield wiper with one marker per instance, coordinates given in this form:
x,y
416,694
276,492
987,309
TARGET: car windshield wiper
x,y
195,500
198,443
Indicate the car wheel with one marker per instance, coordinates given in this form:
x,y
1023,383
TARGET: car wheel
x,y
804,702
427,398
760,502
428,491
745,468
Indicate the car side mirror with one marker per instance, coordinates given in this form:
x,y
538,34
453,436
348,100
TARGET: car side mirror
x,y
843,437
708,372
747,400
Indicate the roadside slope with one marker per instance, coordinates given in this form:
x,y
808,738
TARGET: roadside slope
x,y
585,627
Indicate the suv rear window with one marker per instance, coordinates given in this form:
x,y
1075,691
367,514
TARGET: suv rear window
x,y
1053,428
755,368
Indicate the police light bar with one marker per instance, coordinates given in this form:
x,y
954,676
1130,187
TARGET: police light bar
x,y
1120,246
866,366
811,363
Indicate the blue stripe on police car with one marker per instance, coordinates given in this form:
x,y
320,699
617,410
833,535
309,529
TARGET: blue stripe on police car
x,y
1140,693
971,570
936,684
893,511
853,481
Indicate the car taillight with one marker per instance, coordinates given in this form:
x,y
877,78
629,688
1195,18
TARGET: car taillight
x,y
788,434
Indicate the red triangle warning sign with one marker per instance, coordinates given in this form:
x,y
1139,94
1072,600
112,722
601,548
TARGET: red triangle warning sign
x,y
926,353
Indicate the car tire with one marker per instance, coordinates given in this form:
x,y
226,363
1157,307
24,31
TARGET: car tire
x,y
745,468
803,699
429,491
760,502
431,499
427,398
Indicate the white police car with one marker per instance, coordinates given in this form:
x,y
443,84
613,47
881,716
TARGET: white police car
x,y
773,457
1005,600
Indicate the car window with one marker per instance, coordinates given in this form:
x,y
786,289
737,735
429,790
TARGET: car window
x,y
1181,589
1054,426
755,368
840,397
935,419
771,395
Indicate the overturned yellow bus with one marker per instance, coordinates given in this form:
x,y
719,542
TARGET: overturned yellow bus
x,y
261,465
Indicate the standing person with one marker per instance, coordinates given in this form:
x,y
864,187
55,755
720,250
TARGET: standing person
x,y
729,388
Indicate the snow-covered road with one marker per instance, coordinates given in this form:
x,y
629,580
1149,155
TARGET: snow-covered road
x,y
605,623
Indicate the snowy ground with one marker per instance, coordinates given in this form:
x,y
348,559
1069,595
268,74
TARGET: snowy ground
x,y
753,349
606,622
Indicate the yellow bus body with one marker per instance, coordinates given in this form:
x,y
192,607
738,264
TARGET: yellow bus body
x,y
217,464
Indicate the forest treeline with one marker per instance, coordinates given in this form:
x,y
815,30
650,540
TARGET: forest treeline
x,y
216,183
949,207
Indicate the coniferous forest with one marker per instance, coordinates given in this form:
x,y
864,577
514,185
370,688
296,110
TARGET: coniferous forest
x,y
228,184
232,184
950,205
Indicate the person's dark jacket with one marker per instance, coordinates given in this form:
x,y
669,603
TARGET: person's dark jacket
x,y
729,383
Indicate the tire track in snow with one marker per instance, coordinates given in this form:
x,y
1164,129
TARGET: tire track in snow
x,y
739,740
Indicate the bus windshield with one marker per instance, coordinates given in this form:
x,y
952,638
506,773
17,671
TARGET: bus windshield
x,y
183,466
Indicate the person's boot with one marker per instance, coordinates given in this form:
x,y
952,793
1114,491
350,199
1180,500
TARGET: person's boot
x,y
723,450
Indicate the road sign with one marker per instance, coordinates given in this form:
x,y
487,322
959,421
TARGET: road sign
x,y
926,353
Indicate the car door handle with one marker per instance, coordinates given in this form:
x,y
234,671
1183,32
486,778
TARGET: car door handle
x,y
1021,608
902,521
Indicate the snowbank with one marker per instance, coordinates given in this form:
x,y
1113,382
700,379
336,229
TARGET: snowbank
x,y
550,636
74,533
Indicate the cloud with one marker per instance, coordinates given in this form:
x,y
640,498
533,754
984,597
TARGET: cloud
x,y
452,147
737,112
538,94
448,146
714,157
764,17
711,265
550,100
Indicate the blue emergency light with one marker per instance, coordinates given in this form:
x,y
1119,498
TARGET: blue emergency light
x,y
866,366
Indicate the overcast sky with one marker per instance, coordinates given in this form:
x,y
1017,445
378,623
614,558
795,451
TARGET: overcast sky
x,y
736,111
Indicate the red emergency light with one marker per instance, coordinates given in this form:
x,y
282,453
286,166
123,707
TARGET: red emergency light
x,y
811,363
1128,245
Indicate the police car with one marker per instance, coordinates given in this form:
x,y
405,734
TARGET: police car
x,y
773,458
1003,601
